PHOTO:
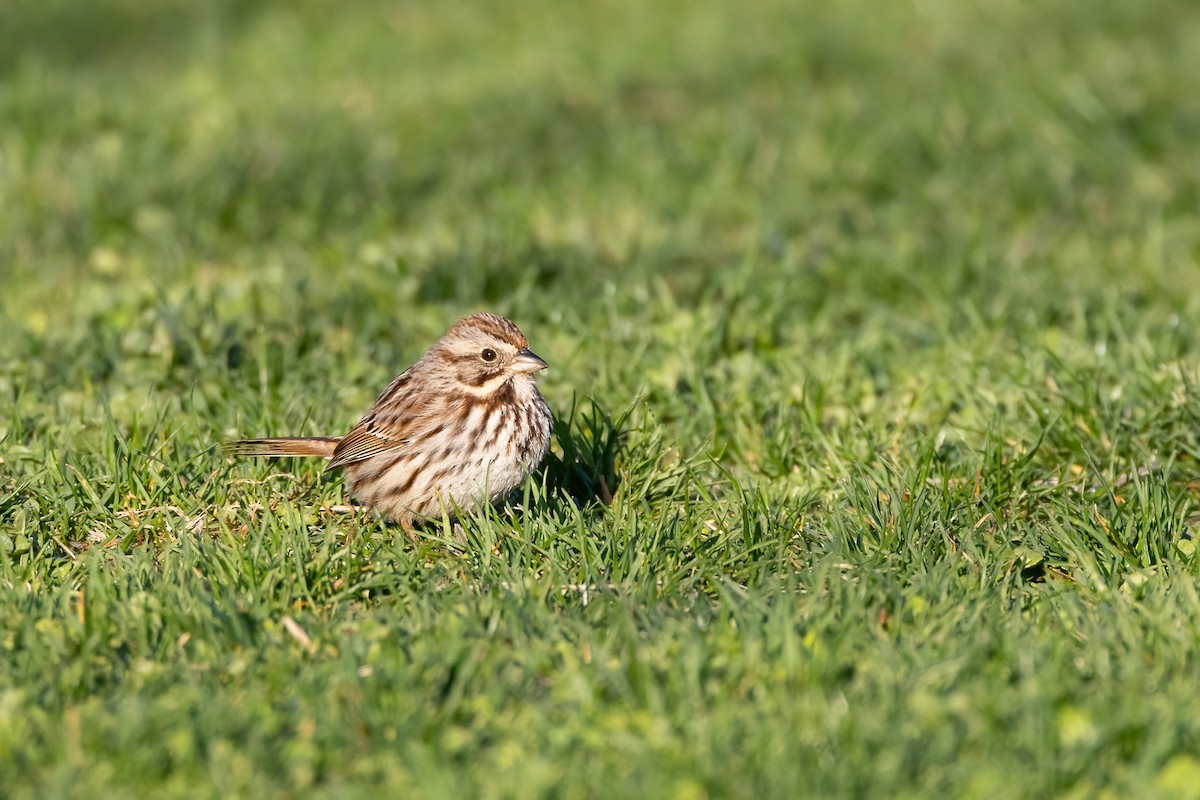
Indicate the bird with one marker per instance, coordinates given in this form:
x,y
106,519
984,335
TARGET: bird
x,y
462,427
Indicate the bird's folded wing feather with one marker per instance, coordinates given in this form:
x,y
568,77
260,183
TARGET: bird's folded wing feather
x,y
362,443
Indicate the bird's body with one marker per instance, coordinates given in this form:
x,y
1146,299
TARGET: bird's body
x,y
461,427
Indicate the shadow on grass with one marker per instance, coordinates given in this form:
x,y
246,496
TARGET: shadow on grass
x,y
590,440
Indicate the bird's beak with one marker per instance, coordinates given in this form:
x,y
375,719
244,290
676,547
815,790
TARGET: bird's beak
x,y
528,362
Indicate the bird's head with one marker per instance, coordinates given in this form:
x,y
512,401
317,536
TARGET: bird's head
x,y
484,352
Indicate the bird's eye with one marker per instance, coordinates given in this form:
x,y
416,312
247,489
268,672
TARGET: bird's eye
x,y
488,354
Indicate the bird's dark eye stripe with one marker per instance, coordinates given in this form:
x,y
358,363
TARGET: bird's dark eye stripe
x,y
488,354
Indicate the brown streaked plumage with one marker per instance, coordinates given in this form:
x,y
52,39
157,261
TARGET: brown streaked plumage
x,y
462,426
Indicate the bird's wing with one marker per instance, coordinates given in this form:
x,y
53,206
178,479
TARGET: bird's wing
x,y
364,441
386,427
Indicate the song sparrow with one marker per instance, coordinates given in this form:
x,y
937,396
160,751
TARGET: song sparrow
x,y
463,425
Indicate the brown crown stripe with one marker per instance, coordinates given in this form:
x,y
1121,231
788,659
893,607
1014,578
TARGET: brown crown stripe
x,y
494,325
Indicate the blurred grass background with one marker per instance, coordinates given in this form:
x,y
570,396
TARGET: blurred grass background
x,y
878,317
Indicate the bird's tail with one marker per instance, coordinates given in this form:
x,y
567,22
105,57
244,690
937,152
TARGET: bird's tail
x,y
284,446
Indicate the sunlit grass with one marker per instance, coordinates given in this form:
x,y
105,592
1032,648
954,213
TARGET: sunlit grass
x,y
872,334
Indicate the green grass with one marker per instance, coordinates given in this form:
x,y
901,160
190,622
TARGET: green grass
x,y
878,320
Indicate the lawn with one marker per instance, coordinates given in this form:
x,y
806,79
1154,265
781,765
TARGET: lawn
x,y
872,330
